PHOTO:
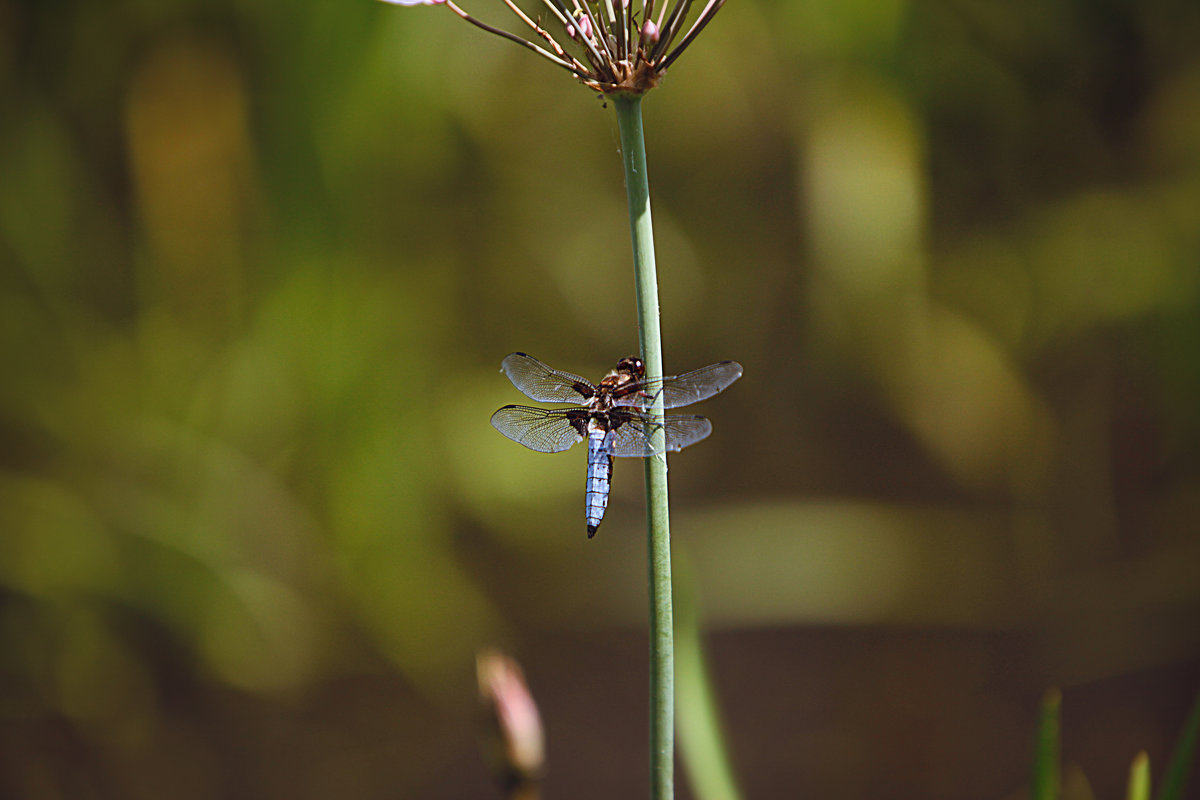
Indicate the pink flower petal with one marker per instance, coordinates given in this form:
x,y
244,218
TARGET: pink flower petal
x,y
650,32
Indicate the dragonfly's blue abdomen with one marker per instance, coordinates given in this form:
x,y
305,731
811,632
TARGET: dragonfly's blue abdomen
x,y
599,478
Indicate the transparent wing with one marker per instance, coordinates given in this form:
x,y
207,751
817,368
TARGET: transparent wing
x,y
681,390
539,382
631,434
540,429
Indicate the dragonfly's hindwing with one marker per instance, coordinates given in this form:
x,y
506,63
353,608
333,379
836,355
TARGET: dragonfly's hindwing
x,y
540,429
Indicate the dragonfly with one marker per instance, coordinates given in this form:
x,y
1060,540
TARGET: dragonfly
x,y
616,416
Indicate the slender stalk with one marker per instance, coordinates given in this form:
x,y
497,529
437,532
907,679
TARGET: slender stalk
x,y
512,37
1139,778
1047,781
1176,778
662,647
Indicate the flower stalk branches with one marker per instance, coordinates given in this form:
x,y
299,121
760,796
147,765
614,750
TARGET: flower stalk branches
x,y
611,46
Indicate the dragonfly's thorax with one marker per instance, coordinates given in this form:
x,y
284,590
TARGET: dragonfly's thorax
x,y
619,383
601,402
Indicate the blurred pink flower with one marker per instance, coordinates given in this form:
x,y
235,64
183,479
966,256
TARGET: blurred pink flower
x,y
513,738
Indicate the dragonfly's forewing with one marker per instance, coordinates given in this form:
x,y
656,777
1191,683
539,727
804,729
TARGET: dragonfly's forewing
x,y
540,429
539,382
682,390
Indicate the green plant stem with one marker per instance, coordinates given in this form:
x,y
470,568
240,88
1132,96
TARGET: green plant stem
x,y
1176,778
1046,777
1139,778
662,647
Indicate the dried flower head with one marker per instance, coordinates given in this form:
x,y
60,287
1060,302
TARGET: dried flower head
x,y
609,45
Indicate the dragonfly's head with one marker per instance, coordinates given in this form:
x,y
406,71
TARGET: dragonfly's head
x,y
632,366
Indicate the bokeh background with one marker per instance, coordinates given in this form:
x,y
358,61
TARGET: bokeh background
x,y
259,262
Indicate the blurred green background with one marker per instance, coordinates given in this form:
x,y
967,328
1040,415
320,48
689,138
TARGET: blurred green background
x,y
259,262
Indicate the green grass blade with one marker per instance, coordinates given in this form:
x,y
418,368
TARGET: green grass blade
x,y
702,744
1139,778
1175,780
1046,778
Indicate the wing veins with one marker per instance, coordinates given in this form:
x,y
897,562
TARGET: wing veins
x,y
539,429
681,390
537,381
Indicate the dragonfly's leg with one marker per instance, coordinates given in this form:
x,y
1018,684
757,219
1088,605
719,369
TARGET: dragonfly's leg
x,y
651,429
650,397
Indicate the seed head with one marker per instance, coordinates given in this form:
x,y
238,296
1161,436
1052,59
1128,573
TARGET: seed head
x,y
611,46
